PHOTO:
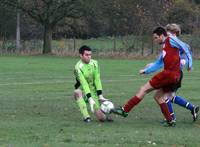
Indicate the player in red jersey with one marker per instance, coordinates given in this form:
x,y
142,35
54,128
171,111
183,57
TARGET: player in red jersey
x,y
164,80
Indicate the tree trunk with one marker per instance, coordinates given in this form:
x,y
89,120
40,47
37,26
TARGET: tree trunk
x,y
18,45
47,39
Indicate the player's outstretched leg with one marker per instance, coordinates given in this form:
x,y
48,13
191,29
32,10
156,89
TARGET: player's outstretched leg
x,y
123,111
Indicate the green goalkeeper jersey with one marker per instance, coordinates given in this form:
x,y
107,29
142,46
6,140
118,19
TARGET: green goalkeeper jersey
x,y
88,77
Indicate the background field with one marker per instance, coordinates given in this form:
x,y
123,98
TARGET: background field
x,y
131,45
37,107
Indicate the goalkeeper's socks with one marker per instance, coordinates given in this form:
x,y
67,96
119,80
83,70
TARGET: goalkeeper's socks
x,y
165,111
131,103
182,102
83,108
170,108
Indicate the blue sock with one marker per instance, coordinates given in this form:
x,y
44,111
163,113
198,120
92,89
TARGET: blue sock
x,y
169,105
182,102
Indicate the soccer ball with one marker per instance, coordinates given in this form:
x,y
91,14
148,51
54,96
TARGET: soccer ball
x,y
106,106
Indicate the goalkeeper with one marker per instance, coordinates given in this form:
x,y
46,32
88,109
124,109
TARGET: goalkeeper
x,y
88,87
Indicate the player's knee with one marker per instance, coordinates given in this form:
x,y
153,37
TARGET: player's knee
x,y
78,93
141,93
173,95
100,115
143,90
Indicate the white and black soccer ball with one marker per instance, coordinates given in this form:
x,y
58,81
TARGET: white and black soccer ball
x,y
107,106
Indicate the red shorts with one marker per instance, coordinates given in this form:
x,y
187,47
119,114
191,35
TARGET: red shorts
x,y
165,80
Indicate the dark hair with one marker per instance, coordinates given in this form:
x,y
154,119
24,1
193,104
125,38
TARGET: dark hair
x,y
159,31
83,49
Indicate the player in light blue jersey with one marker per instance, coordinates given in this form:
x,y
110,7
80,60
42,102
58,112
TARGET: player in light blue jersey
x,y
186,60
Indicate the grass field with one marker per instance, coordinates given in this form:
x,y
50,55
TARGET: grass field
x,y
37,108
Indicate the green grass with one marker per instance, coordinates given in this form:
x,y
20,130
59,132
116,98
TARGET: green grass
x,y
37,108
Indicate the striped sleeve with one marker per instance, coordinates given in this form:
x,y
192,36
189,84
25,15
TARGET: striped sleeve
x,y
155,66
183,49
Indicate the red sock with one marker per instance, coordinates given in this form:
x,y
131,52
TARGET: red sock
x,y
131,103
165,111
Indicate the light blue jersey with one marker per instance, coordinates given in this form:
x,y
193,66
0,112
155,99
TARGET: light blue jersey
x,y
184,51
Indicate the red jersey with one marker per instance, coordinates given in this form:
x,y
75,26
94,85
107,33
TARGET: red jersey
x,y
170,76
171,57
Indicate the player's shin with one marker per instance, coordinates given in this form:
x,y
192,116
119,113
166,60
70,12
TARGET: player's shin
x,y
83,107
182,102
165,111
131,103
170,108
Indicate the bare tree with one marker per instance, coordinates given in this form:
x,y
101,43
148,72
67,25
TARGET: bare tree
x,y
18,38
48,13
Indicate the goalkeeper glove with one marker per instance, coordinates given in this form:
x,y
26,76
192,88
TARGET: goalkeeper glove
x,y
92,103
102,99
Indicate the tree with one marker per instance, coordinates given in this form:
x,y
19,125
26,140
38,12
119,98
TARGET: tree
x,y
7,26
48,13
184,13
18,35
